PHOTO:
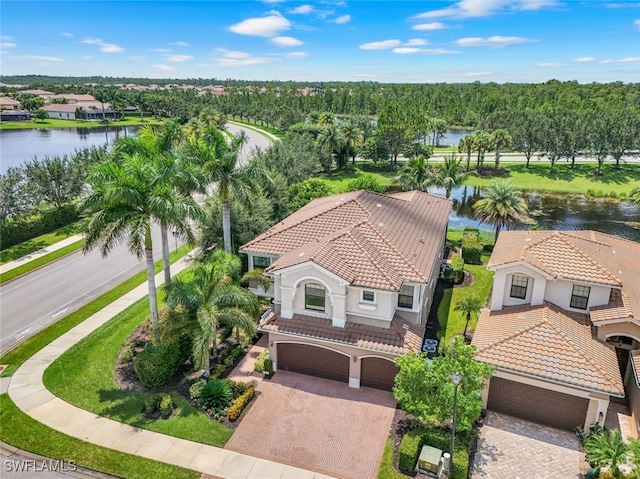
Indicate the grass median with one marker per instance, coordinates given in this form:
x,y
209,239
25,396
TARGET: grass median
x,y
41,261
30,246
24,432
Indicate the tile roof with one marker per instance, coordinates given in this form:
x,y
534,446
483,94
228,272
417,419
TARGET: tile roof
x,y
635,362
586,256
550,343
400,338
366,238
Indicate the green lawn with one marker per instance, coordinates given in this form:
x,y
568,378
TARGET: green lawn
x,y
42,241
28,348
339,180
84,376
56,123
41,261
257,127
26,433
387,471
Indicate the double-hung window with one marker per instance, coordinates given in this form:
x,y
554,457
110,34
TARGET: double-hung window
x,y
314,297
405,297
580,296
519,285
261,262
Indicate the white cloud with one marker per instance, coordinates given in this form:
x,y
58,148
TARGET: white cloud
x,y
549,65
232,58
427,51
302,10
164,68
37,58
6,38
5,45
383,45
138,58
268,26
342,19
66,34
178,58
286,41
636,22
621,60
180,44
584,59
496,41
104,47
485,8
623,5
406,50
416,41
478,74
429,27
296,55
161,50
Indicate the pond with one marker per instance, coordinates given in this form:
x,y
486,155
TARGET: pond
x,y
559,212
19,146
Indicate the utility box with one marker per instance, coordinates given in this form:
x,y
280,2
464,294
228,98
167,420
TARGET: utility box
x,y
429,460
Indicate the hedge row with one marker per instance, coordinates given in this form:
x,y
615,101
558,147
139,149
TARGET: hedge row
x,y
412,443
471,246
155,365
240,403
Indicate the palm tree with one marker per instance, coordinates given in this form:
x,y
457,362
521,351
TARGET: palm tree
x,y
500,138
126,197
502,206
481,143
415,175
330,139
469,305
634,196
449,173
352,136
438,128
209,298
220,163
465,145
607,449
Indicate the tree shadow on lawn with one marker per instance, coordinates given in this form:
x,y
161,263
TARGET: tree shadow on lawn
x,y
22,250
563,172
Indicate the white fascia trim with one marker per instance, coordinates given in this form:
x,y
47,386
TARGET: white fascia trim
x,y
522,263
321,270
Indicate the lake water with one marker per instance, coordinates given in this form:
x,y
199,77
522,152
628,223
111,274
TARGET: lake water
x,y
18,146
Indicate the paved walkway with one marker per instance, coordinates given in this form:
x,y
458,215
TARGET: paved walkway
x,y
28,392
37,254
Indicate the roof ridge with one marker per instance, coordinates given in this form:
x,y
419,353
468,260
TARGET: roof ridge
x,y
590,240
590,259
511,336
373,261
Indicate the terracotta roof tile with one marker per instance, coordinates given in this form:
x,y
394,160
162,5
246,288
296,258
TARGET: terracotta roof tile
x,y
400,338
368,239
550,343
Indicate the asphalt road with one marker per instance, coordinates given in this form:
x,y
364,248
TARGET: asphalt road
x,y
46,295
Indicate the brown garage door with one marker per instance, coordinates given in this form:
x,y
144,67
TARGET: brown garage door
x,y
378,373
314,361
536,404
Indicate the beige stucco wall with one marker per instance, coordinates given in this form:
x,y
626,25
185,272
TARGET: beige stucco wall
x,y
633,393
623,328
559,293
356,354
381,309
598,402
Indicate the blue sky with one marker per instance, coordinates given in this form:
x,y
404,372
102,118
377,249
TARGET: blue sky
x,y
400,41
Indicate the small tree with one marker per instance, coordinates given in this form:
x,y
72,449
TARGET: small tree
x,y
606,449
40,115
469,305
425,389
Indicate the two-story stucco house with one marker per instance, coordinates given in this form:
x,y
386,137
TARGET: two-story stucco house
x,y
563,327
353,279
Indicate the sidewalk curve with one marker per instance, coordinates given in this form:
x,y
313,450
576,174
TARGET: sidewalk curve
x,y
28,392
41,252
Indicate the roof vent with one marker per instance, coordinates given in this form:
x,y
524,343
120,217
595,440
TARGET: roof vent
x,y
378,205
422,240
405,326
301,254
380,225
527,239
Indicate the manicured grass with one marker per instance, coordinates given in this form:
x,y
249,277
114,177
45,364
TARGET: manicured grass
x,y
26,433
56,123
454,235
84,376
339,180
41,261
613,182
29,347
42,241
387,471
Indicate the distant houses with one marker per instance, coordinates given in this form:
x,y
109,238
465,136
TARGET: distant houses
x,y
66,106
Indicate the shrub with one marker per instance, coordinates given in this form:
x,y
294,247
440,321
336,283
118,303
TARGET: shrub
x,y
151,403
262,357
166,405
451,275
412,443
155,365
128,351
366,182
240,403
196,389
216,393
471,246
268,366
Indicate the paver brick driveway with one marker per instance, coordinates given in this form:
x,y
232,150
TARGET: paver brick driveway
x,y
511,448
317,424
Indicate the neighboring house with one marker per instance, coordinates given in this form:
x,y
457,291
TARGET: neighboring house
x,y
563,328
67,111
353,279
7,103
10,110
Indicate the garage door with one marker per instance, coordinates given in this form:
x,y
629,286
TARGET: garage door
x,y
314,361
536,404
378,373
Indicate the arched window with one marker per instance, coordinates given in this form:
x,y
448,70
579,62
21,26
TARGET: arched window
x,y
314,297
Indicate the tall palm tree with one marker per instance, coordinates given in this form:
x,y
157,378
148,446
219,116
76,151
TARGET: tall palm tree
x,y
465,145
331,139
220,163
125,199
502,206
415,175
500,138
449,174
468,306
481,143
352,136
210,297
607,449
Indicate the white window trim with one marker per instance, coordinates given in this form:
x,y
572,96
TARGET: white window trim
x,y
367,301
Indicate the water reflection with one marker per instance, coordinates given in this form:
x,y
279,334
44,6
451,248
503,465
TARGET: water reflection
x,y
564,212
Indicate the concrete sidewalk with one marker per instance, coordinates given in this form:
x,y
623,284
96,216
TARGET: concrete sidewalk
x,y
28,392
37,254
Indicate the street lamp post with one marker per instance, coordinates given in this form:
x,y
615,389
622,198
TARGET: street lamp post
x,y
175,235
456,378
